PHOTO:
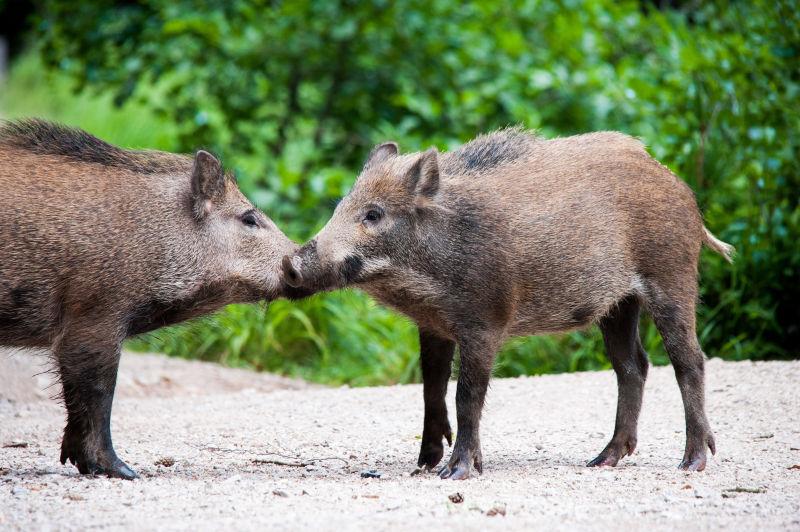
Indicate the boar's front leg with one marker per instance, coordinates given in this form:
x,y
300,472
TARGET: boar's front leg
x,y
436,359
477,354
88,371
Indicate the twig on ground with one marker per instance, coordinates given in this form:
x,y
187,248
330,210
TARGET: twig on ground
x,y
283,459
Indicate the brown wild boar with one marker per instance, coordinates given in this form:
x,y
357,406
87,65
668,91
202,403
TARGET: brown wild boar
x,y
515,235
98,244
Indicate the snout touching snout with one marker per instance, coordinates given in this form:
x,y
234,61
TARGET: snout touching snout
x,y
310,270
303,274
291,271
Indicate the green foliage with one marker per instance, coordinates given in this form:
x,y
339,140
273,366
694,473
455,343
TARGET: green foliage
x,y
295,93
314,339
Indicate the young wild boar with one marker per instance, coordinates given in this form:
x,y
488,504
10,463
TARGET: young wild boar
x,y
98,243
514,235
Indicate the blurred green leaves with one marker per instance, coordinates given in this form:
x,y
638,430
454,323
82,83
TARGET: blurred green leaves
x,y
295,93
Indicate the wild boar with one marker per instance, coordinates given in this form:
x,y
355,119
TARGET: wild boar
x,y
99,243
515,235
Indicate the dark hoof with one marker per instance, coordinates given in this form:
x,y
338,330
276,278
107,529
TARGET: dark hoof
x,y
696,463
121,470
456,472
695,460
460,465
106,463
613,453
603,460
432,450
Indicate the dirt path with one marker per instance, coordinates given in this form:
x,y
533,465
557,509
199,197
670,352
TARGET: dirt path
x,y
204,457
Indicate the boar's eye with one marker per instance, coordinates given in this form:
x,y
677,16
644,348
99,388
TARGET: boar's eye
x,y
372,216
249,219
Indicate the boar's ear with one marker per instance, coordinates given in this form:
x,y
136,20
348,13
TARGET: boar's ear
x,y
423,177
381,153
208,182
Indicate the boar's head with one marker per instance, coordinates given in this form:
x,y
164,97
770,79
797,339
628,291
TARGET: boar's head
x,y
241,248
377,228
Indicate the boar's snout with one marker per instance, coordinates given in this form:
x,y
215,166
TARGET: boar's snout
x,y
291,271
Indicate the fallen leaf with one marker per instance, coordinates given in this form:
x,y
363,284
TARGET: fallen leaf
x,y
497,510
456,498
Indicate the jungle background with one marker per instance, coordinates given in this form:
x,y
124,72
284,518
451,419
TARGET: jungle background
x,y
292,95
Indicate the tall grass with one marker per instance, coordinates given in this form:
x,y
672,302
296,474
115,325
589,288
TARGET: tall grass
x,y
337,338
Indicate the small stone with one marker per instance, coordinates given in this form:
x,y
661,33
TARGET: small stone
x,y
19,491
456,498
370,473
280,493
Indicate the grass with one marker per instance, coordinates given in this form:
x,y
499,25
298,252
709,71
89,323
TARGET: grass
x,y
33,91
338,338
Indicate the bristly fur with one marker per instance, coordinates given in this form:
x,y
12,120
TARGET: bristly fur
x,y
98,243
47,138
529,236
495,148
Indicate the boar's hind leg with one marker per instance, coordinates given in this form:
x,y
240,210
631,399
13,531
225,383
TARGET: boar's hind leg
x,y
675,320
624,348
477,355
88,376
436,359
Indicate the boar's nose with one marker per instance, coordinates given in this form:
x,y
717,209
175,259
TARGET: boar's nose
x,y
291,271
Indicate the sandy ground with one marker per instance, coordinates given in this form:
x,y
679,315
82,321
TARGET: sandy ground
x,y
245,451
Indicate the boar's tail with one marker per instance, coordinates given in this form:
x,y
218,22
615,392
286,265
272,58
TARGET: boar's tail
x,y
724,249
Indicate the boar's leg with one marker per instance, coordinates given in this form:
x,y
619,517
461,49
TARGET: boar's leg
x,y
624,348
88,376
477,354
675,320
436,359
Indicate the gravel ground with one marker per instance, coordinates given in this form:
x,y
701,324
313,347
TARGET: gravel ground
x,y
287,456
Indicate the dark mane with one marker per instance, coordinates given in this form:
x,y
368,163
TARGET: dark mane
x,y
499,147
47,138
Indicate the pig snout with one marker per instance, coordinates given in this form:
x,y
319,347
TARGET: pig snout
x,y
292,265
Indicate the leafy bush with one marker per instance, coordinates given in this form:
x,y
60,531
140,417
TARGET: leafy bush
x,y
295,93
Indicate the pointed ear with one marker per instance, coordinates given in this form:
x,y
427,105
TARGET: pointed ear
x,y
423,177
208,182
380,153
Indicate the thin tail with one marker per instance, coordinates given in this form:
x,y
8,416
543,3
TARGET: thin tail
x,y
724,249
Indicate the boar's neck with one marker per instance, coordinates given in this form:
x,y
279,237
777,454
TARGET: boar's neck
x,y
154,314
